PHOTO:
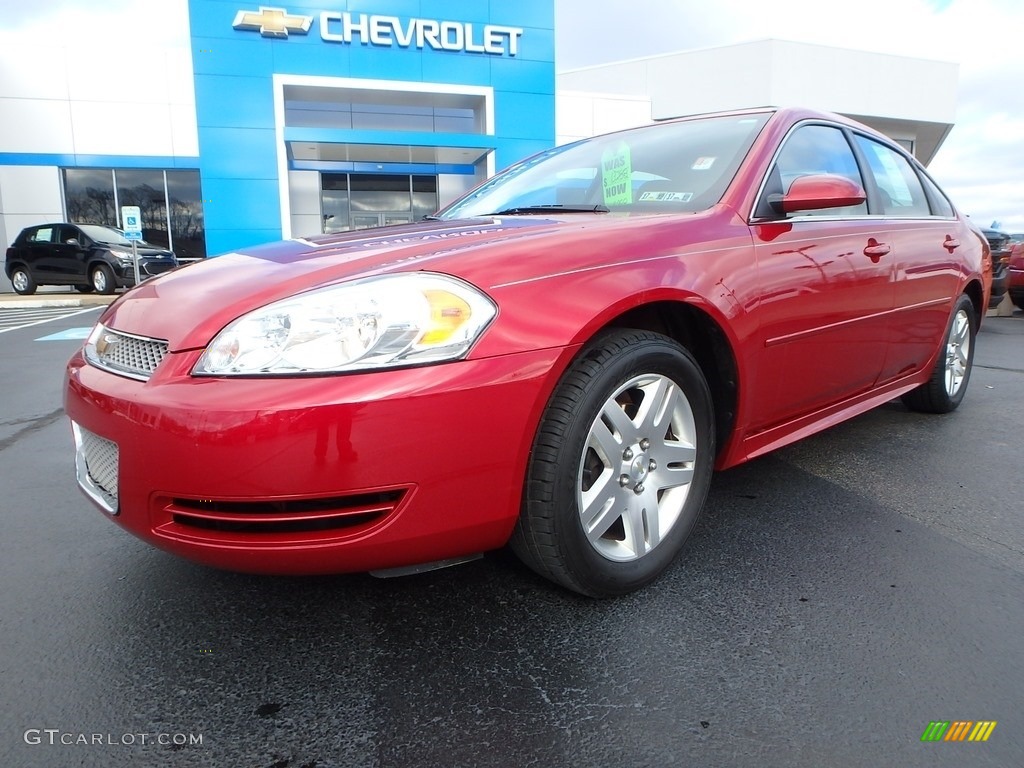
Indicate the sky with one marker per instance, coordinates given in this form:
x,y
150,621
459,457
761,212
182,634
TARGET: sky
x,y
981,163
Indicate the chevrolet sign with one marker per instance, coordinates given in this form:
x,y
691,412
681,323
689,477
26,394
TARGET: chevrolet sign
x,y
386,31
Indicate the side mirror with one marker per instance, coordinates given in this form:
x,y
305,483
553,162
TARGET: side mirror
x,y
73,241
819,191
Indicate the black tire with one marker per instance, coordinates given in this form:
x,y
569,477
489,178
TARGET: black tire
x,y
944,391
84,288
22,282
650,475
102,279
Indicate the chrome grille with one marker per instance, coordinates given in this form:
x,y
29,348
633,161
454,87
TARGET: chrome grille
x,y
96,464
133,356
156,267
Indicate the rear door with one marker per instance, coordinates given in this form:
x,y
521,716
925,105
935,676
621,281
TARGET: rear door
x,y
925,236
39,252
826,288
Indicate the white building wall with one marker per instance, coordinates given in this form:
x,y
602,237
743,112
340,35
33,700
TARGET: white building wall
x,y
28,195
579,115
913,99
54,100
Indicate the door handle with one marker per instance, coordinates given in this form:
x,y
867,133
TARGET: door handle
x,y
951,243
875,250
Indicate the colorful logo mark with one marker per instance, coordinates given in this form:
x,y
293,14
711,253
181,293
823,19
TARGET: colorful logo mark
x,y
958,730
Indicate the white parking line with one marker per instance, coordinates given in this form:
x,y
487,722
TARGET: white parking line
x,y
14,319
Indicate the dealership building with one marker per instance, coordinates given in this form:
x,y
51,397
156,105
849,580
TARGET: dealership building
x,y
313,117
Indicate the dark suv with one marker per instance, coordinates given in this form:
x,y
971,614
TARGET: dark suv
x,y
91,257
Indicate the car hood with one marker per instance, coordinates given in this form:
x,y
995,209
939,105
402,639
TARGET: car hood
x,y
190,305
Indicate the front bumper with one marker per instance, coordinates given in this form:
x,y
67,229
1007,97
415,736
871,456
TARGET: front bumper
x,y
314,475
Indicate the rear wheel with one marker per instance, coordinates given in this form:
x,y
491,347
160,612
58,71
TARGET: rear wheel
x,y
620,466
22,281
102,278
945,389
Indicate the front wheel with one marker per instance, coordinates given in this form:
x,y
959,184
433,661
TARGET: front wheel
x,y
102,278
945,389
620,467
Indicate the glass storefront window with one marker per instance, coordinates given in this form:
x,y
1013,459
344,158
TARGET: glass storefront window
x,y
146,190
188,228
334,202
171,203
89,196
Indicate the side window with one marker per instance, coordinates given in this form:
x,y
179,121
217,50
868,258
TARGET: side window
x,y
897,182
940,203
69,233
42,235
810,150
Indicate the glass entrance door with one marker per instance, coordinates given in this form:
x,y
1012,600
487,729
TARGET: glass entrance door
x,y
363,200
367,220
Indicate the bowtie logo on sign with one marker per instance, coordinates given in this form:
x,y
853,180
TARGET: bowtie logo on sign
x,y
273,22
385,31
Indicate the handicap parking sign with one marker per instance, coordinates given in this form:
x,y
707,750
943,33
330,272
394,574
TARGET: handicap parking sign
x,y
131,222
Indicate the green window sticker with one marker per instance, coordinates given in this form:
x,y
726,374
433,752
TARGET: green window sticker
x,y
616,172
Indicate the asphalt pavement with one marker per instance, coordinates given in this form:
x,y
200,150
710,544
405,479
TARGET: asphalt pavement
x,y
837,597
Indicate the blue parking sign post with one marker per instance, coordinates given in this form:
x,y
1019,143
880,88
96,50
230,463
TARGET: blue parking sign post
x,y
131,224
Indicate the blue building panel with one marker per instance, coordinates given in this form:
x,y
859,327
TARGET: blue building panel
x,y
230,240
223,56
366,63
529,76
524,115
237,48
240,206
243,101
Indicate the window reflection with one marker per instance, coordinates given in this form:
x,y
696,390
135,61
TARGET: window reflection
x,y
170,202
146,190
360,201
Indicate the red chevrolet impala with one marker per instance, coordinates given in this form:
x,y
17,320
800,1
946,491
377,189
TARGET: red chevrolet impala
x,y
557,361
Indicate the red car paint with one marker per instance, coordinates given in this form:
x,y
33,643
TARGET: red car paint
x,y
816,320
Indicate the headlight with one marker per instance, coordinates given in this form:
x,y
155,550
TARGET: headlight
x,y
378,322
125,257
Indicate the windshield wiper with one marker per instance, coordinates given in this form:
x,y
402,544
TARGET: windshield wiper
x,y
551,209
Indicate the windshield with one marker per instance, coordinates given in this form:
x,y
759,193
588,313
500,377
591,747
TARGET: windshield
x,y
673,167
107,235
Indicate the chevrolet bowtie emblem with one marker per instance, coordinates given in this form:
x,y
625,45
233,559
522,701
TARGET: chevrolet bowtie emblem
x,y
273,22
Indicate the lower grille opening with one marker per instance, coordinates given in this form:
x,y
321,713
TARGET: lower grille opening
x,y
284,516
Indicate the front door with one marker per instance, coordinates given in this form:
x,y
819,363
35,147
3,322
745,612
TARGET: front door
x,y
826,289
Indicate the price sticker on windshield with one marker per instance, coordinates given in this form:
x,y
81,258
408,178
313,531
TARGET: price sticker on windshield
x,y
616,174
